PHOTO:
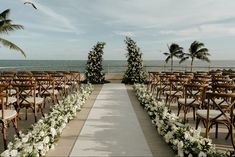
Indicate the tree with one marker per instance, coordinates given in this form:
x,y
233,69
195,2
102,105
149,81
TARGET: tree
x,y
6,27
94,69
196,51
174,51
135,71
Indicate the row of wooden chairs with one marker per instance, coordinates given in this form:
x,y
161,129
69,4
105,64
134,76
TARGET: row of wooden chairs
x,y
30,90
211,96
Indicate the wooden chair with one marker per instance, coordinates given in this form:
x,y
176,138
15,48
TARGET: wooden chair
x,y
176,90
60,83
164,84
26,96
75,77
194,95
219,103
46,88
154,81
6,115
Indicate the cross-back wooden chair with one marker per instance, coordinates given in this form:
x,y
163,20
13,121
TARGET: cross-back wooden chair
x,y
154,81
60,82
219,104
75,77
26,96
6,115
164,84
194,95
176,89
46,88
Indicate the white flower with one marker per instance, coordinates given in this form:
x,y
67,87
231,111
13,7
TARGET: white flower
x,y
202,154
13,152
6,153
190,155
46,140
53,132
25,139
18,144
28,149
39,146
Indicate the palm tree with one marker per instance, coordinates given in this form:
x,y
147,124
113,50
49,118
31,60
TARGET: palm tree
x,y
6,27
196,51
174,51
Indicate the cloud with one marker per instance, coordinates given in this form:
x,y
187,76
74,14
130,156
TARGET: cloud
x,y
53,20
210,30
129,34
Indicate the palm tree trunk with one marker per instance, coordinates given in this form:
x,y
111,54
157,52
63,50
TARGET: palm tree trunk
x,y
191,65
171,64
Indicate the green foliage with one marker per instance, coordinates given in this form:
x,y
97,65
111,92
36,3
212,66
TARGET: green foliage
x,y
6,27
135,71
94,69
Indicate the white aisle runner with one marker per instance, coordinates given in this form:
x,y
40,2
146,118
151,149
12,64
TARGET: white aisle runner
x,y
112,128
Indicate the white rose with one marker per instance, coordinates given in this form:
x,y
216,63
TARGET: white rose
x,y
202,154
46,140
13,153
53,132
6,153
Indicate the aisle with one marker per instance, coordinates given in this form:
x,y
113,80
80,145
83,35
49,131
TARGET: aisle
x,y
112,128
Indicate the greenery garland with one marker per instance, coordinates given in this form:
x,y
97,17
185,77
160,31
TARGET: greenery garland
x,y
184,139
43,135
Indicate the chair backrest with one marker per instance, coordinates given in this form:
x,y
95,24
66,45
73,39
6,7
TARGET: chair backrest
x,y
3,94
44,85
26,87
196,92
224,102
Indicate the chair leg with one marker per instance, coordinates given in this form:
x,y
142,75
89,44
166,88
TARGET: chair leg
x,y
179,108
197,122
216,130
26,113
15,125
4,134
35,114
194,113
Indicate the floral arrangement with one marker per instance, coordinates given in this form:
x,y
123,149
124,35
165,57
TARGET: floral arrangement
x,y
41,138
135,72
185,140
94,69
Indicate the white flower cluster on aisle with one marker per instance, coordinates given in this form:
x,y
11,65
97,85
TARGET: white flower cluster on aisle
x,y
185,140
44,133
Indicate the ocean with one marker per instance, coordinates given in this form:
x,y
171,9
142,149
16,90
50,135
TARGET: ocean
x,y
110,66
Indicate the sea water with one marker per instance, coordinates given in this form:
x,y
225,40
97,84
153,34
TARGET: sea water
x,y
110,66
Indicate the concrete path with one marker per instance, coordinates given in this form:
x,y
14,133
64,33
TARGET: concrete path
x,y
112,128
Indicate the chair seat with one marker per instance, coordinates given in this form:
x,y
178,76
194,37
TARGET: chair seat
x,y
38,100
8,114
212,114
189,101
176,93
51,91
11,100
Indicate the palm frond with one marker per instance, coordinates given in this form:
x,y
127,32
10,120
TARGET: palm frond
x,y
11,45
183,59
167,59
5,14
204,58
203,50
6,28
166,53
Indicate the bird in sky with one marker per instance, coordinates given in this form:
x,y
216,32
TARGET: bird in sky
x,y
31,4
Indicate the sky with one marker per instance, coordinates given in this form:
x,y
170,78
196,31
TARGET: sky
x,y
68,29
